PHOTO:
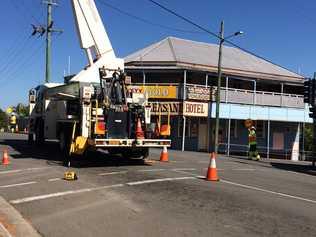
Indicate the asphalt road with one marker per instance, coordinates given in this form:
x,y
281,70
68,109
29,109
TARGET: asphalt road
x,y
119,197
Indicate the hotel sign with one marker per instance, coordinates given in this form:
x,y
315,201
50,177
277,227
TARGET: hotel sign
x,y
195,109
198,93
156,92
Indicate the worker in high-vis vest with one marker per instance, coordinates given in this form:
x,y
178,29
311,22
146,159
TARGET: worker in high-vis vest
x,y
252,138
12,123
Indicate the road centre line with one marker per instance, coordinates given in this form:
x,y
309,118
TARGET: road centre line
x,y
21,170
18,184
183,169
10,171
268,191
54,179
151,170
59,194
85,190
158,180
116,172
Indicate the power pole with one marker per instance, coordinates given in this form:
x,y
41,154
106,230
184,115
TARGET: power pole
x,y
222,39
219,78
48,30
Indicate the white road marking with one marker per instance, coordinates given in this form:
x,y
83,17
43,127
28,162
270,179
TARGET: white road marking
x,y
7,233
216,168
110,173
19,184
269,191
59,194
54,179
10,171
184,172
151,170
183,169
200,177
21,170
158,180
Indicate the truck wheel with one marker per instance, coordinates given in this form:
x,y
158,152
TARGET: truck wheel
x,y
39,133
30,138
64,146
145,153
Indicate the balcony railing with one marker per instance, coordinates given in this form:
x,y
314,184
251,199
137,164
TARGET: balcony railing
x,y
241,96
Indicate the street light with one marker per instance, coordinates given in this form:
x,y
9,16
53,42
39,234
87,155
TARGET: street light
x,y
221,42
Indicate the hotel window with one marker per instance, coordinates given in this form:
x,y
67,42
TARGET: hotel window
x,y
260,129
187,127
233,128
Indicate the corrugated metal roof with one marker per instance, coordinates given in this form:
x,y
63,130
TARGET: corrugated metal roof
x,y
204,55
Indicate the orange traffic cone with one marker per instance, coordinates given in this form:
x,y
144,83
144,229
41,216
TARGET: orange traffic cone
x,y
212,171
139,130
5,158
164,155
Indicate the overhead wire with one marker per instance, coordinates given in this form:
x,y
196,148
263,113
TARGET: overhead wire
x,y
214,34
145,20
32,16
14,57
19,44
23,65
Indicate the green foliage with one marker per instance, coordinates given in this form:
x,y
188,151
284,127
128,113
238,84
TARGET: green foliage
x,y
308,137
22,110
3,119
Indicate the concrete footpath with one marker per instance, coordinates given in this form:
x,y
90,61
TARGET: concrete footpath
x,y
12,224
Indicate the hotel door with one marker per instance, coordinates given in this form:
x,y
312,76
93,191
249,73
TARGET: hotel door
x,y
202,143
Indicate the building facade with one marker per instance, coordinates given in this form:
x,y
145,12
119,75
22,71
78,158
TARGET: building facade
x,y
180,78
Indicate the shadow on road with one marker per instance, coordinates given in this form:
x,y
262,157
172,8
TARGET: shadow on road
x,y
50,152
300,168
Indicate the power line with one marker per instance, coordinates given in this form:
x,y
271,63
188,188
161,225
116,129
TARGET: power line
x,y
24,64
145,20
214,34
12,58
29,13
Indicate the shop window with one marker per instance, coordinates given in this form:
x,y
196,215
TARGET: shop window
x,y
188,128
233,128
260,129
194,128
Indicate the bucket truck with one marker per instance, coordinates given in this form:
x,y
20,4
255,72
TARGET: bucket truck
x,y
93,109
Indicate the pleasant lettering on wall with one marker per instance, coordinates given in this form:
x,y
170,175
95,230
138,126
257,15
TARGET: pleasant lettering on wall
x,y
163,108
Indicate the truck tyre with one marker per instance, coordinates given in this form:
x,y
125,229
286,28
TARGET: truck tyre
x,y
64,145
39,133
145,153
30,138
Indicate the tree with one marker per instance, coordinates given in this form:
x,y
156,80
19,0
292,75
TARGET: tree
x,y
22,110
308,137
3,119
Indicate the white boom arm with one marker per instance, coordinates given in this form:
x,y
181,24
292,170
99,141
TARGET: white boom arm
x,y
94,40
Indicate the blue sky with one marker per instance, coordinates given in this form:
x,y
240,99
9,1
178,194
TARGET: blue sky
x,y
282,31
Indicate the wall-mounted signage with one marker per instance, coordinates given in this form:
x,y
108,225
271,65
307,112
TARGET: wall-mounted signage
x,y
157,92
195,109
198,93
175,108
